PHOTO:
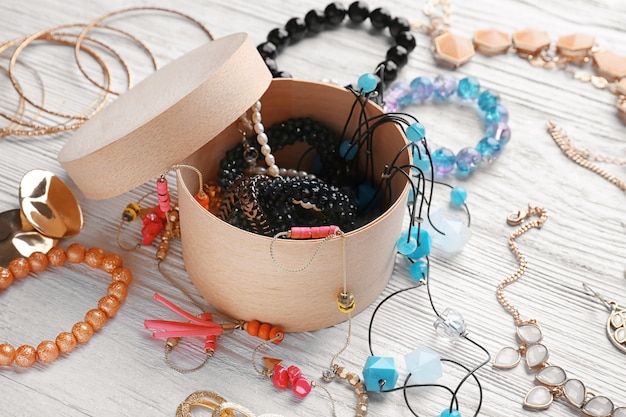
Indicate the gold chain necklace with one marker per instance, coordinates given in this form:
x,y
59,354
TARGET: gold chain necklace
x,y
552,381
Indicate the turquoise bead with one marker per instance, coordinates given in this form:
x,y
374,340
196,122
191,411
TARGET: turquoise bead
x,y
458,196
424,365
489,149
421,88
448,413
444,86
468,89
488,101
421,161
379,369
367,83
419,270
348,150
467,160
443,161
424,243
415,132
406,245
500,132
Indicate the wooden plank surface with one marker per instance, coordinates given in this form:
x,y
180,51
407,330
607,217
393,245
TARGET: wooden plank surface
x,y
121,370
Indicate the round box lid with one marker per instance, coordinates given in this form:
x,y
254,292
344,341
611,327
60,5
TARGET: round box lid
x,y
166,117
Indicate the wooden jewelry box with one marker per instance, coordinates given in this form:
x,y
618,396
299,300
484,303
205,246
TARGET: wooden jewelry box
x,y
186,113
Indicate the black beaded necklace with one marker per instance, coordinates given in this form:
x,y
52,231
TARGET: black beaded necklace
x,y
315,21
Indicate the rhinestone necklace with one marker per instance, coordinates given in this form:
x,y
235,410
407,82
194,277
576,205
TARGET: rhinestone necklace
x,y
552,381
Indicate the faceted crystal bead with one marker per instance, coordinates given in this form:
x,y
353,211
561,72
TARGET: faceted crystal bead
x,y
424,365
575,392
536,355
379,370
457,233
328,375
598,406
609,65
576,45
491,41
468,89
488,100
538,398
506,358
422,88
530,41
551,375
453,50
467,160
529,333
444,86
424,243
419,270
450,324
489,149
443,161
500,132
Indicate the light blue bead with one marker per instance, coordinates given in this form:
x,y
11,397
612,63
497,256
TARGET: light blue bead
x,y
448,413
424,243
378,369
458,196
500,132
492,116
421,162
415,132
444,86
467,160
488,100
443,161
489,149
424,365
348,150
468,89
422,88
419,270
367,82
406,244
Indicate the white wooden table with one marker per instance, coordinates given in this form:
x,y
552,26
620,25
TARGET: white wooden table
x,y
121,370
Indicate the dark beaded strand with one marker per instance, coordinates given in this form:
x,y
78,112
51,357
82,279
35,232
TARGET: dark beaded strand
x,y
316,21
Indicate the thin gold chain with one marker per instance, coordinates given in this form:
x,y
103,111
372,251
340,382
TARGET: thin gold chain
x,y
517,219
583,157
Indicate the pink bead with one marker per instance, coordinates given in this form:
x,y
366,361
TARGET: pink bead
x,y
163,195
302,387
294,374
280,379
333,229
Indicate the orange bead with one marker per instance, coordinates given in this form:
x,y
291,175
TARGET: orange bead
x,y
264,331
66,342
82,332
47,351
96,318
94,257
118,290
75,253
38,261
19,267
56,256
6,278
111,262
252,327
110,305
122,274
7,354
277,335
25,356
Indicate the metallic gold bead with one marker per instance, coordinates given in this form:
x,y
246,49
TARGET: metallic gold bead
x,y
345,302
342,372
353,379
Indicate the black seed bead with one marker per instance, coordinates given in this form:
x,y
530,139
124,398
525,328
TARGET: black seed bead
x,y
407,40
296,27
314,20
397,25
279,37
399,55
389,72
380,18
334,13
358,12
267,50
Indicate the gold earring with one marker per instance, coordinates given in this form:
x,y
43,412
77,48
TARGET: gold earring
x,y
616,323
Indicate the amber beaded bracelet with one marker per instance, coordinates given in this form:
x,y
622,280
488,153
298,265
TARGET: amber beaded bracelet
x,y
95,319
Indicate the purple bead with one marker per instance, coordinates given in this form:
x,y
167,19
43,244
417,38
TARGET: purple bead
x,y
444,86
499,131
422,88
398,90
504,113
391,106
489,148
443,161
467,161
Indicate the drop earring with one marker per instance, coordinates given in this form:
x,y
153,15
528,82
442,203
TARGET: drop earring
x,y
616,323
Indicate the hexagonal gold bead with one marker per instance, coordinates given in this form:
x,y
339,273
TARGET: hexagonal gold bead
x,y
609,65
453,50
530,41
491,41
575,45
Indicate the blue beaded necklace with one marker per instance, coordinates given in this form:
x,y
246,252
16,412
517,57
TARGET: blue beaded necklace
x,y
445,88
